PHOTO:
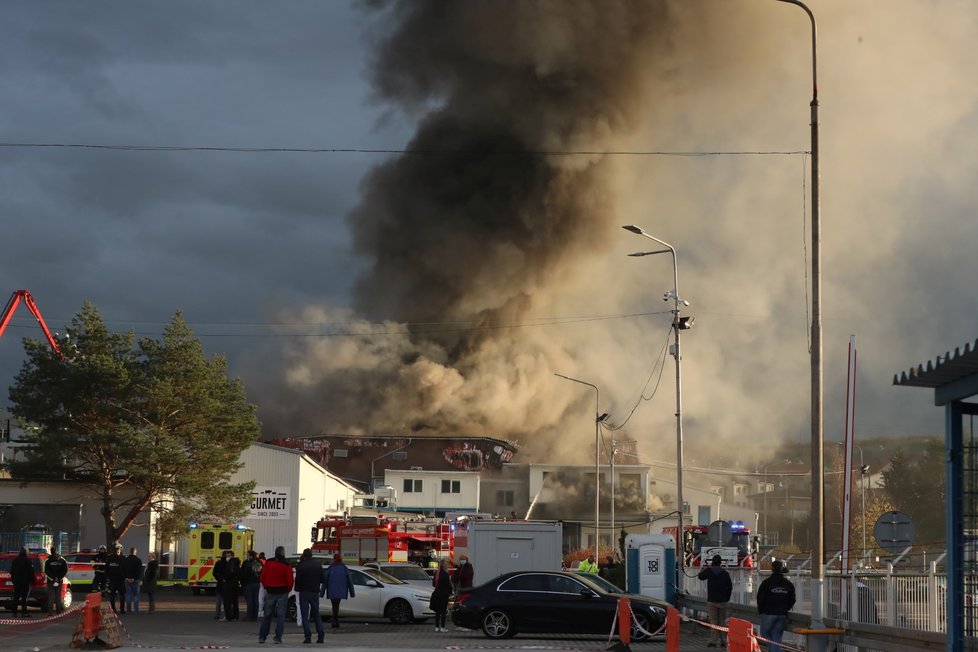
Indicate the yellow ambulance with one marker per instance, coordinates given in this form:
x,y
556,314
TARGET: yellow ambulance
x,y
205,545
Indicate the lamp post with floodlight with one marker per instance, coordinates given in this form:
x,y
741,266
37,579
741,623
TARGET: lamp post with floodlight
x,y
678,324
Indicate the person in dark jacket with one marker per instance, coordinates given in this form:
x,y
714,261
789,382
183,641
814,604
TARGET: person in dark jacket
x,y
231,586
309,578
132,571
150,575
775,598
99,584
339,585
218,572
276,577
55,569
718,590
251,584
115,578
442,582
22,577
463,574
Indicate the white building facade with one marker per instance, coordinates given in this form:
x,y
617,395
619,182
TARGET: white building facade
x,y
434,493
291,493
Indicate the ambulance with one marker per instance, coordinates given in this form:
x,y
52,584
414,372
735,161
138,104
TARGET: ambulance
x,y
206,543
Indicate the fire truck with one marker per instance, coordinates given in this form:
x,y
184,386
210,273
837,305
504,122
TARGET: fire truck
x,y
205,545
360,539
731,540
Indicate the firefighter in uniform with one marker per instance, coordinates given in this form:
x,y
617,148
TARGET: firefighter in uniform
x,y
98,565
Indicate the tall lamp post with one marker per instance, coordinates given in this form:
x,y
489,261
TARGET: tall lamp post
x,y
678,324
598,418
818,508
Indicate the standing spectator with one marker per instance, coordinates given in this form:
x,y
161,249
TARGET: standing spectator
x,y
442,582
250,584
309,577
775,598
588,565
132,571
339,585
98,566
22,577
718,590
277,579
463,574
115,578
150,575
231,581
218,572
55,569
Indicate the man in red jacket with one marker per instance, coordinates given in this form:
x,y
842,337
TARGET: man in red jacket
x,y
277,578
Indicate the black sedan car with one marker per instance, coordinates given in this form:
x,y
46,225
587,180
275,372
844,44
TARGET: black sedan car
x,y
551,602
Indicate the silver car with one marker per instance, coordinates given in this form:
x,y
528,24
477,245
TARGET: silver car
x,y
404,571
378,595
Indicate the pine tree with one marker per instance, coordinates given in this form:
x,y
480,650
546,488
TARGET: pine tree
x,y
156,418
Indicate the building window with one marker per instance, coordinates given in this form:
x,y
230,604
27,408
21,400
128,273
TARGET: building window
x,y
504,498
399,456
451,486
413,486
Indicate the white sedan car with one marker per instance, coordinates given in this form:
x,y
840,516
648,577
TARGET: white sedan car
x,y
404,571
379,595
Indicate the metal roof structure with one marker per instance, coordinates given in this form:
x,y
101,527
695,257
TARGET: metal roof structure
x,y
954,378
951,376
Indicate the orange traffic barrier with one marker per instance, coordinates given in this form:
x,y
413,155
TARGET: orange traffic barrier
x,y
740,635
625,621
92,615
672,630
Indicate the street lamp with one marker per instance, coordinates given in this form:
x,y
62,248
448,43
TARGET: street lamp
x,y
598,418
678,324
818,509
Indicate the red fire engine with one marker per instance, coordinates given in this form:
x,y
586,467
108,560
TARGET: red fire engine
x,y
732,541
381,538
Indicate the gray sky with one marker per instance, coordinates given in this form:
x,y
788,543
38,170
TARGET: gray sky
x,y
263,251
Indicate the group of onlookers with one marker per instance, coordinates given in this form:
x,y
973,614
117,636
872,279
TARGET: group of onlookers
x,y
775,598
120,576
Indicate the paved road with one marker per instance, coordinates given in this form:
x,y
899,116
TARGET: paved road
x,y
183,622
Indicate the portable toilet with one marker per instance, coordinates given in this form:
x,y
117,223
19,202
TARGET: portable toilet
x,y
650,565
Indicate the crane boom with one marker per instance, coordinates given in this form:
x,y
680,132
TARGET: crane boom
x,y
8,313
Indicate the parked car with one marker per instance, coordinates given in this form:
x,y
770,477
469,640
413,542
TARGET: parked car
x,y
39,590
404,571
81,567
550,602
378,595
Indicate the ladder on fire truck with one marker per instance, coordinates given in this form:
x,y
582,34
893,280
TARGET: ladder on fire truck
x,y
8,313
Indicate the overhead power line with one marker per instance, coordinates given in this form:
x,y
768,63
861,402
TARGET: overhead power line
x,y
362,150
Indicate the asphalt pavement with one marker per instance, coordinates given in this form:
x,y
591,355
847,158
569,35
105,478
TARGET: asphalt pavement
x,y
186,622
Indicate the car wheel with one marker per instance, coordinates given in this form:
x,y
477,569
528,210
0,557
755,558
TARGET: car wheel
x,y
399,612
496,623
292,611
66,598
643,621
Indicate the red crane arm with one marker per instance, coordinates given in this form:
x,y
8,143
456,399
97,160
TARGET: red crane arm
x,y
8,313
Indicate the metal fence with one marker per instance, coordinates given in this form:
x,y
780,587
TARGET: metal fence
x,y
34,540
905,600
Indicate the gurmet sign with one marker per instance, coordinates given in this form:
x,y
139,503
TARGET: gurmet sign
x,y
270,502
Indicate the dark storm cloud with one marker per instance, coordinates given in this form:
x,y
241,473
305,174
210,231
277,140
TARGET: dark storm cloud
x,y
489,241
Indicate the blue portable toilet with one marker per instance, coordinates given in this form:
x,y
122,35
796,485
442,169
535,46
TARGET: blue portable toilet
x,y
650,565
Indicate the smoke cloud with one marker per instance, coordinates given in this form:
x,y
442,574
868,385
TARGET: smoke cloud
x,y
495,257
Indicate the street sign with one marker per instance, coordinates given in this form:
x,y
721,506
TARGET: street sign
x,y
895,532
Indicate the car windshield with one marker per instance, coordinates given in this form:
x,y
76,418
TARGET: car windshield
x,y
381,576
407,572
600,582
